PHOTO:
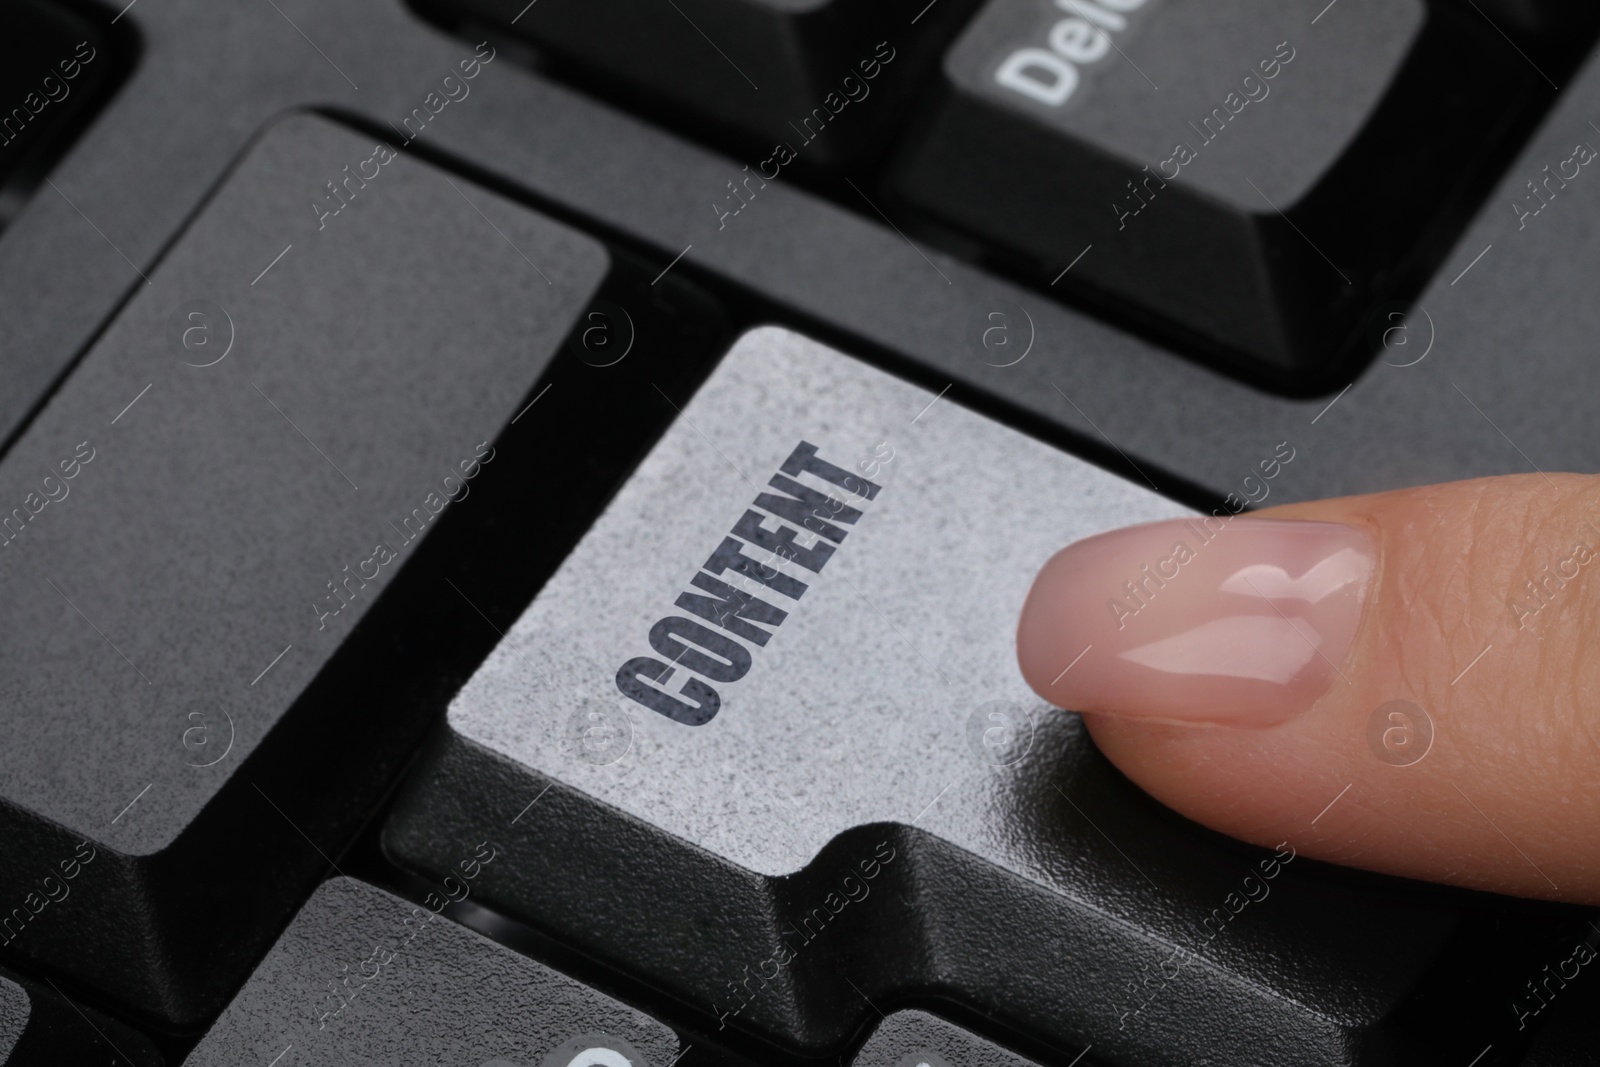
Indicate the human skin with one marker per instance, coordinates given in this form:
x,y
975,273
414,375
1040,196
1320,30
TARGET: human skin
x,y
1507,795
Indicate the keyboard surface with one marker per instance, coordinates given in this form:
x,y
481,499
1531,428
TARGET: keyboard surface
x,y
514,514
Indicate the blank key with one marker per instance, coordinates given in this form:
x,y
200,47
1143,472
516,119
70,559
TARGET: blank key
x,y
208,508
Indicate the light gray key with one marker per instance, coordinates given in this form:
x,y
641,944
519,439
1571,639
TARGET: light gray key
x,y
731,788
903,633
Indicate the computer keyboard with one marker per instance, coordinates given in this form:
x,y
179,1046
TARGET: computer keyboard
x,y
515,513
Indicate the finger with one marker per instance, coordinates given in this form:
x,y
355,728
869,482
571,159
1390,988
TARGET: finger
x,y
1407,682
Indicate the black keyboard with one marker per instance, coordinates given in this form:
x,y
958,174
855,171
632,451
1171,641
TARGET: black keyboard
x,y
514,514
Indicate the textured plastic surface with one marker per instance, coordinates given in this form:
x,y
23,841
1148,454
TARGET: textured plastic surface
x,y
143,163
887,697
14,1012
905,630
363,977
291,391
917,1039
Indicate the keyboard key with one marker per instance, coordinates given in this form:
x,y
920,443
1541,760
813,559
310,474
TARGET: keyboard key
x,y
813,80
53,68
209,508
362,976
40,1027
917,1039
763,740
1206,170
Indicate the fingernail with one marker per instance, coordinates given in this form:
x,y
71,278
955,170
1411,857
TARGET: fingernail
x,y
1224,620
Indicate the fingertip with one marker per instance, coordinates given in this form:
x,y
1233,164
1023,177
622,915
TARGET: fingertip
x,y
1234,620
1423,728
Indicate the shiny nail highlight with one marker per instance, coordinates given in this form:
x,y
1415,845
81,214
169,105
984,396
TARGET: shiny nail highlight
x,y
1239,621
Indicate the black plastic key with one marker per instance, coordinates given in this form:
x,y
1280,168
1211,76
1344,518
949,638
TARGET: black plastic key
x,y
54,65
810,80
1228,175
362,976
209,509
762,741
917,1039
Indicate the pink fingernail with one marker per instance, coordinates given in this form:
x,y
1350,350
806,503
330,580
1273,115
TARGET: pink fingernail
x,y
1238,621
